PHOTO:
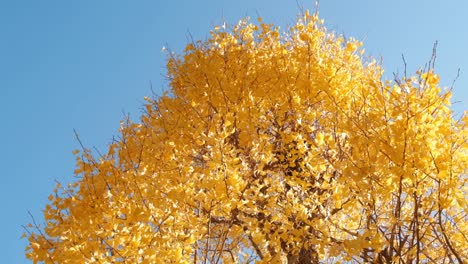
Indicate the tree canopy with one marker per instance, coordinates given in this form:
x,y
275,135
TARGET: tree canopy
x,y
272,147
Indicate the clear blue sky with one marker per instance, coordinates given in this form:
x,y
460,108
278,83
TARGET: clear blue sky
x,y
81,65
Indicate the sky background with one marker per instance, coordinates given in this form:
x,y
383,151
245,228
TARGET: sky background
x,y
84,64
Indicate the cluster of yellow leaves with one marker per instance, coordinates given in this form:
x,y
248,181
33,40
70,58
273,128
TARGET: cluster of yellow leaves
x,y
272,147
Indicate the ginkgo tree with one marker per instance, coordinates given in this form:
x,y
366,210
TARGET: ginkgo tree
x,y
272,147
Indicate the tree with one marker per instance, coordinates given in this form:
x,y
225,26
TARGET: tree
x,y
272,147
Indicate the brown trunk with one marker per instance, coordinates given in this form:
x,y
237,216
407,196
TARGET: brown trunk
x,y
305,256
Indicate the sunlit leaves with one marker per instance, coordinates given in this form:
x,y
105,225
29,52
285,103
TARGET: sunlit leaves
x,y
271,146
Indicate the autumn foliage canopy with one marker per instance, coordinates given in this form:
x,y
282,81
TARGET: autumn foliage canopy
x,y
272,147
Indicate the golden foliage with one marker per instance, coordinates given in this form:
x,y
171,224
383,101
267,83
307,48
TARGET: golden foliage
x,y
272,147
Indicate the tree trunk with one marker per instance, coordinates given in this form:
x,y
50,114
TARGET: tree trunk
x,y
305,256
